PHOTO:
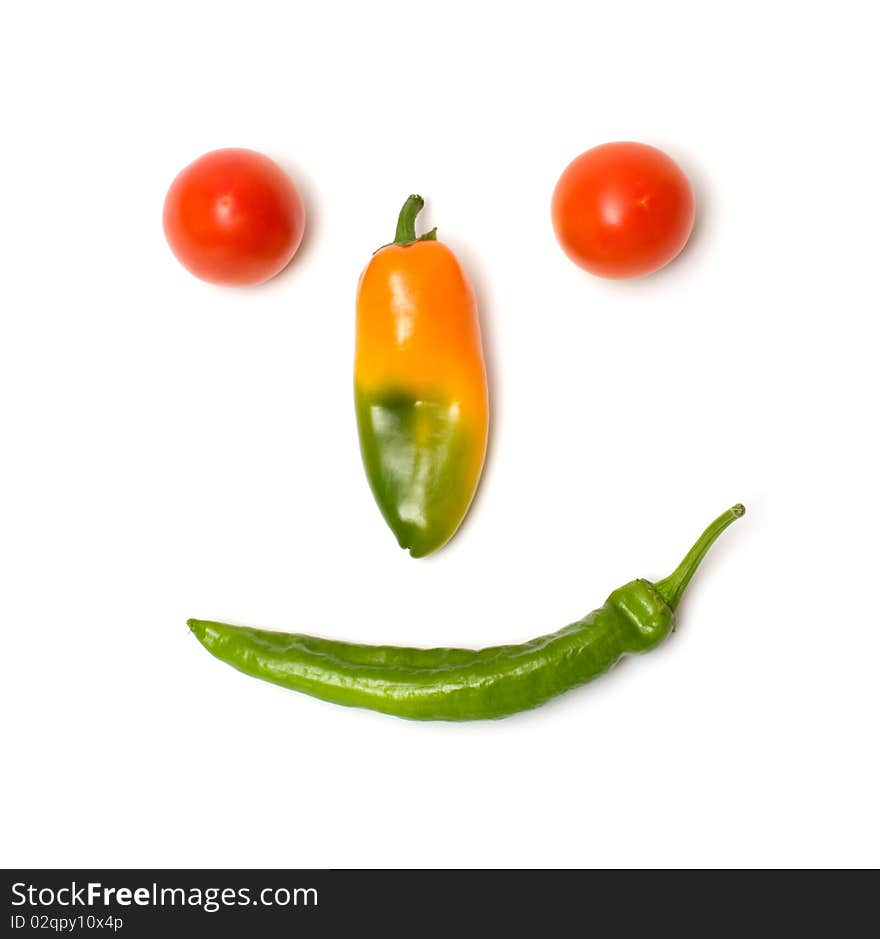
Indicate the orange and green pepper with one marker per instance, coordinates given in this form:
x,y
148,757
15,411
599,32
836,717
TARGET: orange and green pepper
x,y
420,386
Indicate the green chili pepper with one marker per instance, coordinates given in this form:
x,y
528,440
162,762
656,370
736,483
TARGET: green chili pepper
x,y
465,684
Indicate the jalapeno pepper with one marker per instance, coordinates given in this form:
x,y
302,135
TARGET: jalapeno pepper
x,y
420,386
465,684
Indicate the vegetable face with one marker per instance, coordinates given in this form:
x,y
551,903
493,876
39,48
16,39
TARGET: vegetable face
x,y
465,684
622,210
233,217
420,386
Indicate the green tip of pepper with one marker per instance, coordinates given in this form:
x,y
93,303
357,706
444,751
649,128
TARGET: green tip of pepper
x,y
424,490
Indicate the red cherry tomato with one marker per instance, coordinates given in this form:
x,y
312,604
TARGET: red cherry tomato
x,y
623,210
233,217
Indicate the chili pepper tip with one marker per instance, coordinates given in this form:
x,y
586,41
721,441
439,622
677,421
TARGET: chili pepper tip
x,y
739,510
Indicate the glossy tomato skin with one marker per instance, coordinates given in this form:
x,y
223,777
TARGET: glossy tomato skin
x,y
233,217
623,210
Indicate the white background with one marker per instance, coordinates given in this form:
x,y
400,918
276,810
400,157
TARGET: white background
x,y
172,449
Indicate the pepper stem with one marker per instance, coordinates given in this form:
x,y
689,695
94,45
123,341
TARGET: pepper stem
x,y
672,587
406,223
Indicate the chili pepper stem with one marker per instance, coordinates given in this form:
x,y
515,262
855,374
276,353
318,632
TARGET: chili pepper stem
x,y
672,587
406,223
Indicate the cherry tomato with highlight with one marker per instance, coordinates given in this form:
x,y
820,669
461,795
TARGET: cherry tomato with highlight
x,y
623,210
233,217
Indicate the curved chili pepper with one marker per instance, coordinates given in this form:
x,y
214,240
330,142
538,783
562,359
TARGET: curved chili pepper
x,y
420,386
465,684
